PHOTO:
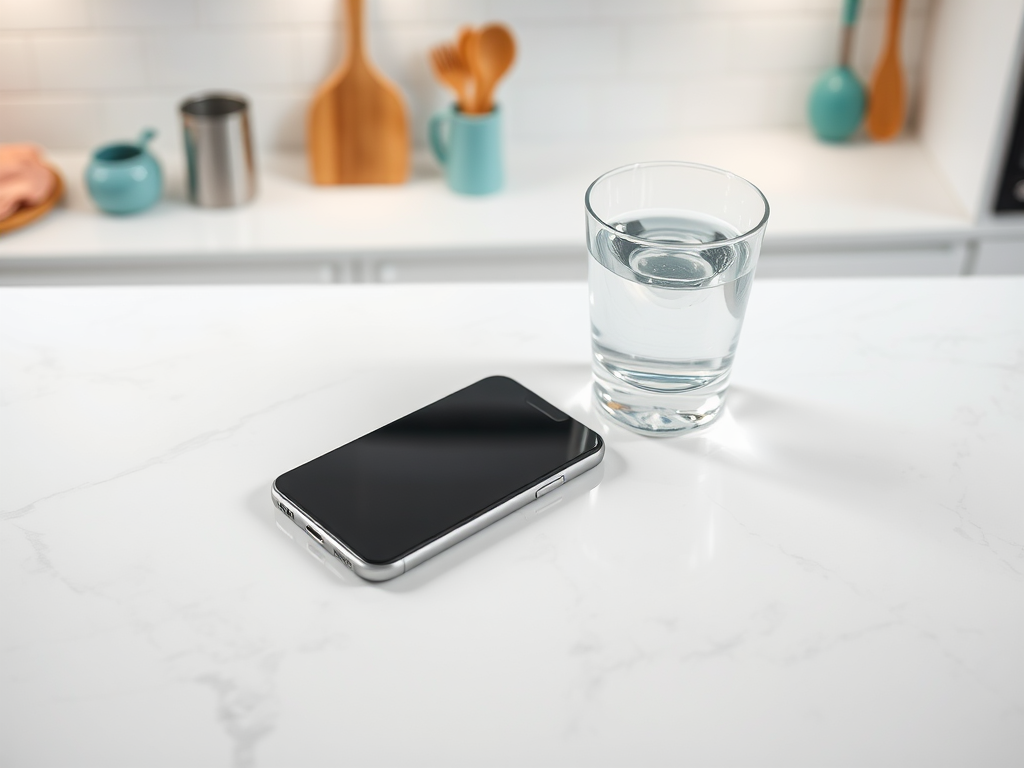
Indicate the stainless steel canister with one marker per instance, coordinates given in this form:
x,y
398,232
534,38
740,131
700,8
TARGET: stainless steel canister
x,y
218,148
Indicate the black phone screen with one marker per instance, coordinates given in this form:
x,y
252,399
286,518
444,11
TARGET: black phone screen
x,y
396,489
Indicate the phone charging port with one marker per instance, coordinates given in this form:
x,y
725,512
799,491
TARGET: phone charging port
x,y
315,535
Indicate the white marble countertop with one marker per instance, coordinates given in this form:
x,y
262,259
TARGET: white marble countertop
x,y
832,575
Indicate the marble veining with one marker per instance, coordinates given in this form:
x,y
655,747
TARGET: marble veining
x,y
833,575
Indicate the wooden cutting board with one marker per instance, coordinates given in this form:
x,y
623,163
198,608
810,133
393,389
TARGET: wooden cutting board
x,y
358,130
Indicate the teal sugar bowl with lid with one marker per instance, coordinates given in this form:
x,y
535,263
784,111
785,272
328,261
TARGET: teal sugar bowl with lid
x,y
123,177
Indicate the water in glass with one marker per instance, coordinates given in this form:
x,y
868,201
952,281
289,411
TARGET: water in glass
x,y
665,321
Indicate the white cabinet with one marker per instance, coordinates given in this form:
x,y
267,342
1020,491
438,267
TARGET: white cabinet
x,y
881,260
1000,257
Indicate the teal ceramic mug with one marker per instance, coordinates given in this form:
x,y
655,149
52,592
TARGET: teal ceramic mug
x,y
124,178
469,148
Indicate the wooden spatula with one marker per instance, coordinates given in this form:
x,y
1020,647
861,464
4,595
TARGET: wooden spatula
x,y
358,132
887,103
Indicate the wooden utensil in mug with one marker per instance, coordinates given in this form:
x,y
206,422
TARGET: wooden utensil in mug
x,y
468,37
887,103
451,70
357,131
492,51
466,33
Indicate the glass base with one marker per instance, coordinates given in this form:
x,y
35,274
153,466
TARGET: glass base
x,y
659,416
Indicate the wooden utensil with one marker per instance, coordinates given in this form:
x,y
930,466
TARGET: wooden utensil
x,y
469,49
466,35
887,104
451,70
492,52
358,132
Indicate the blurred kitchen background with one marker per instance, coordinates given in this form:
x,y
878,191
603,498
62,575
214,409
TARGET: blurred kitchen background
x,y
75,73
596,83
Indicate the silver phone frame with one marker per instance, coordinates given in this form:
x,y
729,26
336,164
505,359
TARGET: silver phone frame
x,y
375,572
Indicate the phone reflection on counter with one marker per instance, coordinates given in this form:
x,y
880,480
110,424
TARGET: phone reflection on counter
x,y
301,541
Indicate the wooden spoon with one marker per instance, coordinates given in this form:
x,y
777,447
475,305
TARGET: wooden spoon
x,y
492,50
357,131
887,104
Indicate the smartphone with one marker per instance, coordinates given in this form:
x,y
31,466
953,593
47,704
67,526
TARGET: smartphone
x,y
387,501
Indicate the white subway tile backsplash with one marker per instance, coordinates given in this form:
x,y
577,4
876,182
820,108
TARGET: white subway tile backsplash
x,y
101,62
655,9
278,119
549,52
701,46
52,123
141,13
733,102
99,69
319,53
402,51
775,7
637,108
786,102
241,13
17,70
123,118
758,45
199,60
542,10
119,14
552,110
44,14
680,9
686,9
452,11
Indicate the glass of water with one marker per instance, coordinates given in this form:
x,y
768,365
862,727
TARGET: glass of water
x,y
673,248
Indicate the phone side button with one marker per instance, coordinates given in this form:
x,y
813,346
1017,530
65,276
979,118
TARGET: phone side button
x,y
550,486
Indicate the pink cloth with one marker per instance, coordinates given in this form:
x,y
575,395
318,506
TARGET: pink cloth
x,y
24,179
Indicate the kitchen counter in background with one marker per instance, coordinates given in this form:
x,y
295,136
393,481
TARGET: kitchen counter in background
x,y
857,209
831,575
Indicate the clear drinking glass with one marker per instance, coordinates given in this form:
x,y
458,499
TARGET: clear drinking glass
x,y
673,248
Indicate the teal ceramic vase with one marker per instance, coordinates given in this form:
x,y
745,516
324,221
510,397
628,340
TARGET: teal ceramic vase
x,y
837,104
469,148
837,101
124,178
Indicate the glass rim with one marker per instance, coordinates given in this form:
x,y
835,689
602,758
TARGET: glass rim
x,y
679,246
